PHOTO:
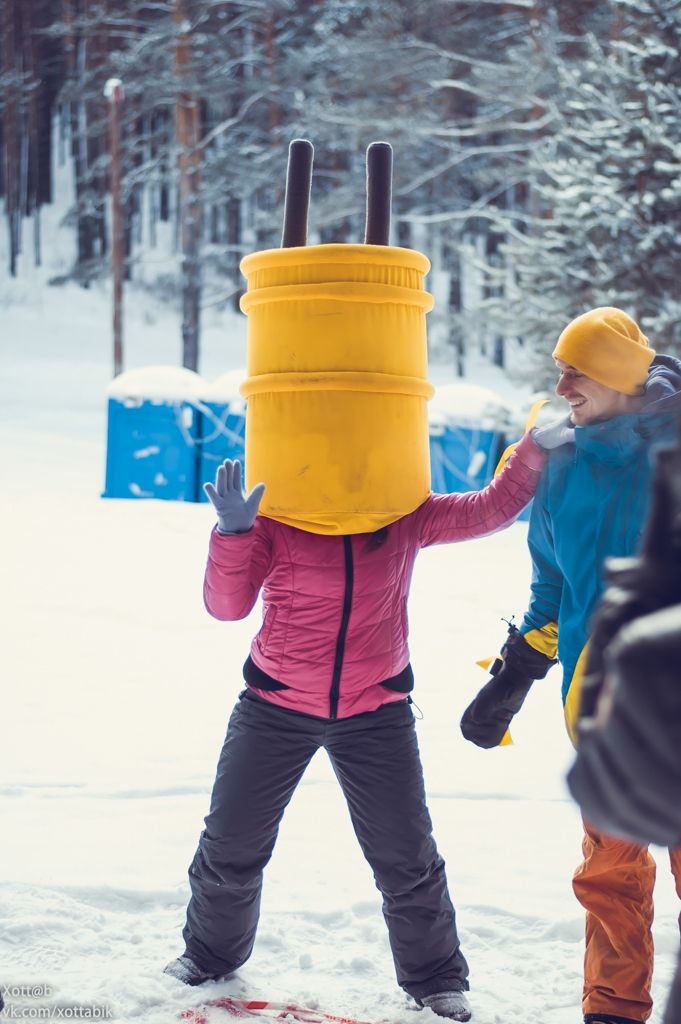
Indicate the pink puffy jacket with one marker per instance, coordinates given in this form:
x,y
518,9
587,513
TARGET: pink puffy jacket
x,y
333,641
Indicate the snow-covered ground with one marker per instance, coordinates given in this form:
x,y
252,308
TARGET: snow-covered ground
x,y
116,687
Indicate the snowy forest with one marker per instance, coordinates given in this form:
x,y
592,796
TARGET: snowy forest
x,y
537,148
143,152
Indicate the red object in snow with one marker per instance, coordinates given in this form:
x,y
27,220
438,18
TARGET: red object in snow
x,y
245,1008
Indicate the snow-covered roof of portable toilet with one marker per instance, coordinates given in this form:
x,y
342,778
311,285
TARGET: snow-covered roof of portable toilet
x,y
224,390
158,384
468,405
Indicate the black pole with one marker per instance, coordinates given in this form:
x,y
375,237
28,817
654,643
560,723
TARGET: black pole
x,y
297,200
379,193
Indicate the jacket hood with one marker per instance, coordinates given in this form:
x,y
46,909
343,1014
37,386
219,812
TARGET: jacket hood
x,y
664,381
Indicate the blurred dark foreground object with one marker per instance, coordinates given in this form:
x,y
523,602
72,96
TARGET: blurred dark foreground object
x,y
627,776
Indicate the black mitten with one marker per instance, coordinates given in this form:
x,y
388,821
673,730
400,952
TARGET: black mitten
x,y
488,717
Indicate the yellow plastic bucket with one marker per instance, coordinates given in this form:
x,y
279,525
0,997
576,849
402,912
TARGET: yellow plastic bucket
x,y
336,423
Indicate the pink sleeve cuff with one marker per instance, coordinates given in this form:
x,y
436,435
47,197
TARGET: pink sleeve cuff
x,y
530,454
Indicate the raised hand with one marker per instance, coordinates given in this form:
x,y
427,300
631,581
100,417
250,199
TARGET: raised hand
x,y
236,512
553,435
487,718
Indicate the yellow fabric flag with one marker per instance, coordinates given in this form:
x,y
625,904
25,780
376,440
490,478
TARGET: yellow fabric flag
x,y
531,420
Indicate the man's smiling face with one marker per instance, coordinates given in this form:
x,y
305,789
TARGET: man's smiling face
x,y
589,401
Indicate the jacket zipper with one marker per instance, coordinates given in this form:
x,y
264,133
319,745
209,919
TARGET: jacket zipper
x,y
345,618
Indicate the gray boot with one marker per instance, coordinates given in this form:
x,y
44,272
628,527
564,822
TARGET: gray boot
x,y
185,970
453,1005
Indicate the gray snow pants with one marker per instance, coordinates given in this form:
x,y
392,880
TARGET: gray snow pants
x,y
376,760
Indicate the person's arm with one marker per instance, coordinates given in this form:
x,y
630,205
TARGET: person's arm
x,y
236,570
240,549
529,652
446,518
539,625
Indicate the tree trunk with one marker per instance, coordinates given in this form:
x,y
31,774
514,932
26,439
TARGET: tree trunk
x,y
11,135
187,126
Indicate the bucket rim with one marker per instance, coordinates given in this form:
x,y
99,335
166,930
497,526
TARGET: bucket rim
x,y
335,252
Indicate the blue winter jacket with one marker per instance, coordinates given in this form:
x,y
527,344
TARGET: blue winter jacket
x,y
591,503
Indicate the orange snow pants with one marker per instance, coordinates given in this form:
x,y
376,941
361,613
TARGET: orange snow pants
x,y
615,885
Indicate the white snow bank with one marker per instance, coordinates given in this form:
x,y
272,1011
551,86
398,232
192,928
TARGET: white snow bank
x,y
468,405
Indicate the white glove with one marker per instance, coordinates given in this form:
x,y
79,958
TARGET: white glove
x,y
553,435
236,512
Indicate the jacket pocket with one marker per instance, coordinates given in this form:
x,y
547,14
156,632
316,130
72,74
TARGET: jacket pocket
x,y
258,679
266,628
403,682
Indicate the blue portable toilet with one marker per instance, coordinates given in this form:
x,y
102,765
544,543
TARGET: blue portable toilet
x,y
222,425
468,425
153,427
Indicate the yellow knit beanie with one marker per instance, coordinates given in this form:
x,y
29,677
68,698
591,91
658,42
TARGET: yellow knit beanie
x,y
608,346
